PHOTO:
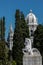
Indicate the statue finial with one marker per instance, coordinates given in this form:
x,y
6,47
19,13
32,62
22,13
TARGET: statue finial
x,y
30,11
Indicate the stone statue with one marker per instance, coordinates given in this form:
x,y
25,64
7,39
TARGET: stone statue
x,y
28,45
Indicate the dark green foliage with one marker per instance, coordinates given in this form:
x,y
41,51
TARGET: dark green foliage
x,y
2,41
2,28
38,38
20,33
14,63
2,53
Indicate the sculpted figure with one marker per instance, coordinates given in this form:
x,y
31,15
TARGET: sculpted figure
x,y
27,48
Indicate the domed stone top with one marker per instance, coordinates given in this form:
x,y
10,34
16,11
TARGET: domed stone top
x,y
31,15
31,18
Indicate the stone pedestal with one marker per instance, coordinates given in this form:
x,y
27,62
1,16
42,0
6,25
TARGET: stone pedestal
x,y
31,55
32,60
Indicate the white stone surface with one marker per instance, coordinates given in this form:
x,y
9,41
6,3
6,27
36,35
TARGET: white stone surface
x,y
11,37
31,55
32,60
28,46
32,23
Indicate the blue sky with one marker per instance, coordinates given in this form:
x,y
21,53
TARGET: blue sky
x,y
8,8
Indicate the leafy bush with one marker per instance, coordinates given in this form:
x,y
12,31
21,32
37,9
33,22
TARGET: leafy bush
x,y
14,63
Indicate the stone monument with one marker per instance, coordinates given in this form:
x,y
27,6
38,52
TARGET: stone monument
x,y
10,42
31,55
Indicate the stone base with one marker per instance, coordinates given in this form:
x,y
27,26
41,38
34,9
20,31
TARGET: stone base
x,y
32,60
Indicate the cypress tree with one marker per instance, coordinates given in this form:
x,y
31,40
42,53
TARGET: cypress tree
x,y
2,42
20,33
38,39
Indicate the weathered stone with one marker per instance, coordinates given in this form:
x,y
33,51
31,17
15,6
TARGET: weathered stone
x,y
32,60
